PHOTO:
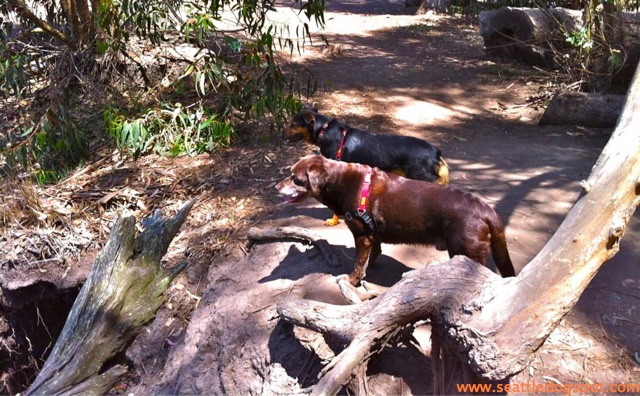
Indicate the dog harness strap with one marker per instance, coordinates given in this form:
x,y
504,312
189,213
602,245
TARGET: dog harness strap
x,y
339,154
364,195
361,212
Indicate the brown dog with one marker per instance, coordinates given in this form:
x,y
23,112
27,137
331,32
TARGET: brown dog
x,y
399,210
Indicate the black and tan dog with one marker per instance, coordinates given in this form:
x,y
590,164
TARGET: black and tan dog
x,y
398,210
403,155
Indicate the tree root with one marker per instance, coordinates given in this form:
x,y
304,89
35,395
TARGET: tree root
x,y
368,326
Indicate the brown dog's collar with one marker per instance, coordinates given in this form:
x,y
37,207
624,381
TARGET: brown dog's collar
x,y
364,195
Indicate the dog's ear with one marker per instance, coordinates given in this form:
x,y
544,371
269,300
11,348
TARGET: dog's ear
x,y
310,107
309,117
317,176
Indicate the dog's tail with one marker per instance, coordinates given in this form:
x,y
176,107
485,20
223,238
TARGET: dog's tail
x,y
499,246
443,172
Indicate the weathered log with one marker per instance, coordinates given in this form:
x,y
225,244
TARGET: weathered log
x,y
584,109
437,288
486,328
527,34
122,292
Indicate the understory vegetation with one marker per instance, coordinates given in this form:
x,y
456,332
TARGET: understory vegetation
x,y
167,77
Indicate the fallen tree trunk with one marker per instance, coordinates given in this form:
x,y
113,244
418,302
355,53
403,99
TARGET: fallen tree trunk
x,y
584,109
527,34
122,292
486,328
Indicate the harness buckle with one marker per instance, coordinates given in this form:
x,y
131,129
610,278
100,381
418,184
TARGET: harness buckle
x,y
362,215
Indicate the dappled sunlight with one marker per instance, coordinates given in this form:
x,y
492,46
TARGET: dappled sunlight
x,y
412,83
428,113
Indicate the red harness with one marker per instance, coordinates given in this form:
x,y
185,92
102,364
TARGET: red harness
x,y
364,194
361,212
323,129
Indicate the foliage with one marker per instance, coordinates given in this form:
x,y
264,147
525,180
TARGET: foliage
x,y
601,50
13,80
81,58
168,130
599,55
54,139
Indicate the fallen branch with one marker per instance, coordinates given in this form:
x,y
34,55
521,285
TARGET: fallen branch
x,y
122,292
295,233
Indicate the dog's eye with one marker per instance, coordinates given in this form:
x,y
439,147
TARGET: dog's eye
x,y
297,181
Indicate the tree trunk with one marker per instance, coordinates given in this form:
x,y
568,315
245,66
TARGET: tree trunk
x,y
122,292
486,328
527,34
579,108
437,5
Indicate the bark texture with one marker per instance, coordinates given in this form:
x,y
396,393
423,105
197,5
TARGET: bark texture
x,y
122,293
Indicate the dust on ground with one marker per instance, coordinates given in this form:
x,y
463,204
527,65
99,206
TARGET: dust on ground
x,y
385,70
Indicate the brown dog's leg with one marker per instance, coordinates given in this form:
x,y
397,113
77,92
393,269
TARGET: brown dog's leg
x,y
364,244
376,251
332,221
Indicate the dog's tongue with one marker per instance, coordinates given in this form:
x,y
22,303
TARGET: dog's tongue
x,y
295,198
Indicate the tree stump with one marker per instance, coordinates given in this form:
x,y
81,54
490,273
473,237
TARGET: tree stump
x,y
122,292
437,5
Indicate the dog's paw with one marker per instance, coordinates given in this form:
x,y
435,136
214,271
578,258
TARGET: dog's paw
x,y
332,221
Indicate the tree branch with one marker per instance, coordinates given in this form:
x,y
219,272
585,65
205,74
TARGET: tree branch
x,y
287,233
21,9
426,293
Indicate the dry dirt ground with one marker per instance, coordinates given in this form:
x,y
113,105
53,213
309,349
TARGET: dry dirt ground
x,y
386,70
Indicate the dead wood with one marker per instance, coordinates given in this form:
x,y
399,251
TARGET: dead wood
x,y
429,292
295,233
486,328
584,109
527,34
122,292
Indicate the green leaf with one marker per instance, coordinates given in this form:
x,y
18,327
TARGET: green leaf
x,y
102,47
